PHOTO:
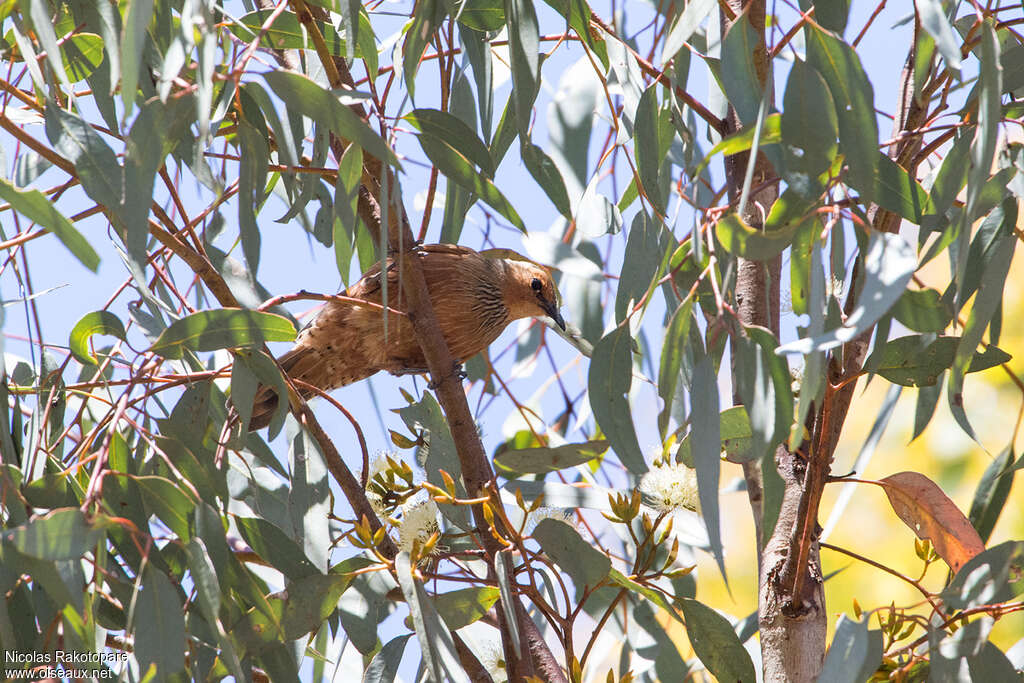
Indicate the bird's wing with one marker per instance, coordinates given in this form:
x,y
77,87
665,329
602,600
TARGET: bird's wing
x,y
441,263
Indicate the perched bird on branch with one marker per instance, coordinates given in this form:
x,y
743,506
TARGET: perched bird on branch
x,y
473,295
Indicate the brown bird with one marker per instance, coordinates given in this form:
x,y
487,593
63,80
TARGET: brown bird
x,y
474,297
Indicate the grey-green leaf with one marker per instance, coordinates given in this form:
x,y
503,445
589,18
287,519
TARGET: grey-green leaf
x,y
847,654
97,322
888,264
609,381
544,460
309,99
739,75
384,666
936,23
34,205
715,643
63,534
705,434
221,329
159,625
923,311
587,565
854,101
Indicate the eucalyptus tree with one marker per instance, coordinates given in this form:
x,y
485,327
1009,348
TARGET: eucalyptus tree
x,y
738,201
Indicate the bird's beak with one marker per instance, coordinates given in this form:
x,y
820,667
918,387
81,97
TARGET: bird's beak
x,y
552,311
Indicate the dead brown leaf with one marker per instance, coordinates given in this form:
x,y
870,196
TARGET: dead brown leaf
x,y
926,509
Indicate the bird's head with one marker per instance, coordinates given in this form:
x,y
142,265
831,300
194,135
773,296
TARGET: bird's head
x,y
532,292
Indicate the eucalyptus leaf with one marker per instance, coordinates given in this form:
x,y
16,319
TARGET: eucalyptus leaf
x,y
609,382
888,264
220,329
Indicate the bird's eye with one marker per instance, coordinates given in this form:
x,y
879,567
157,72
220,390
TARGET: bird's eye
x,y
536,285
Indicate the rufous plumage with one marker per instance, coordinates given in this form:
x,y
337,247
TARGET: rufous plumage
x,y
474,296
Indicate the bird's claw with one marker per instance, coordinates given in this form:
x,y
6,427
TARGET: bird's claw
x,y
413,248
457,370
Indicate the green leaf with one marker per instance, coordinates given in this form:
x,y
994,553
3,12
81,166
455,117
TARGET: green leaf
x,y
715,643
384,666
609,381
168,502
458,169
427,16
547,175
888,264
908,362
672,349
40,12
204,577
854,101
439,657
94,161
524,46
991,494
81,54
936,23
742,240
894,189
97,322
654,596
577,14
34,205
734,431
478,52
310,600
134,33
771,134
277,548
305,97
480,15
765,385
645,248
159,625
544,460
63,534
504,576
585,564
221,329
453,132
923,311
809,121
705,436
847,654
685,26
286,33
832,15
653,134
254,149
561,495
924,409
996,575
739,75
986,302
462,607
427,419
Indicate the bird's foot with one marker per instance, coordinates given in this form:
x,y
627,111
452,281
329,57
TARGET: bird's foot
x,y
457,370
406,370
412,248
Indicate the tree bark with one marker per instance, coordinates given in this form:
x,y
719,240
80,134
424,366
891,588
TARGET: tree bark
x,y
792,631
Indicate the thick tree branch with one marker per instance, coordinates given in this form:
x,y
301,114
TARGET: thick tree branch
x,y
378,198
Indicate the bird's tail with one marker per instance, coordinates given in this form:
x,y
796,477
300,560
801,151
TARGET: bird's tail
x,y
301,363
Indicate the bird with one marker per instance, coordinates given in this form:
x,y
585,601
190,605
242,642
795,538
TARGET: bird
x,y
474,296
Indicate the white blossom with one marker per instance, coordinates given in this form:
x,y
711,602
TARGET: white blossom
x,y
419,523
670,487
492,658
